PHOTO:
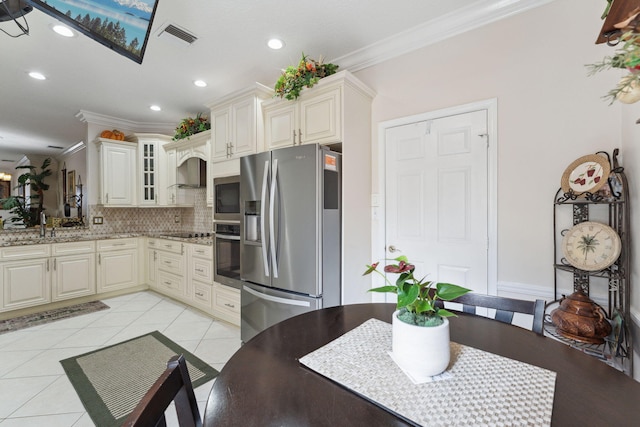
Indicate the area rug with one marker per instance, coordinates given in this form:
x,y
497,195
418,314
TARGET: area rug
x,y
43,317
112,380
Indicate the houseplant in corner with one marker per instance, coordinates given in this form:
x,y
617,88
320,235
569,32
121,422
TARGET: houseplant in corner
x,y
420,343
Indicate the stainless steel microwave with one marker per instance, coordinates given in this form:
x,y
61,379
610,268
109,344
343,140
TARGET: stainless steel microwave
x,y
226,195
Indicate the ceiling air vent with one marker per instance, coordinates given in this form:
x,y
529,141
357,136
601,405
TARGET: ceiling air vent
x,y
178,34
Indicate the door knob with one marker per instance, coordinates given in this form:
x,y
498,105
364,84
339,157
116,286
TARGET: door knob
x,y
393,249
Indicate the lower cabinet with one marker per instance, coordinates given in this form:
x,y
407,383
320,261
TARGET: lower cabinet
x,y
73,270
166,267
117,264
226,303
32,275
201,276
25,283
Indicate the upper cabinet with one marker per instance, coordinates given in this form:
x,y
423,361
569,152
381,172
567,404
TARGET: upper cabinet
x,y
153,170
118,178
315,117
236,121
322,114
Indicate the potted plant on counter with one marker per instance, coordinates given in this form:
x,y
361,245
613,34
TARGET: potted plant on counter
x,y
420,343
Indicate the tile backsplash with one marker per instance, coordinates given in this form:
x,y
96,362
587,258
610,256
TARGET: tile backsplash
x,y
154,220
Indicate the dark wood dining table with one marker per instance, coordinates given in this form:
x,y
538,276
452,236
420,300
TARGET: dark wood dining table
x,y
263,384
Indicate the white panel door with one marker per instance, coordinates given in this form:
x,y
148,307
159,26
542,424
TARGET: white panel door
x,y
436,198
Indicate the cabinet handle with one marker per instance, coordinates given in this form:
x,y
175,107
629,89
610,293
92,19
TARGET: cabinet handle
x,y
168,246
230,305
199,294
294,137
168,262
99,259
55,264
155,256
199,251
167,283
181,248
47,264
299,136
107,197
199,270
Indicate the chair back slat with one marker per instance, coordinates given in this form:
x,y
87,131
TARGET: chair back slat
x,y
174,385
505,307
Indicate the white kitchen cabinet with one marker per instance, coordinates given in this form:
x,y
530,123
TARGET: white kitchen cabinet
x,y
25,283
226,303
118,173
152,169
169,264
200,276
151,257
171,190
315,117
236,121
73,270
25,278
117,264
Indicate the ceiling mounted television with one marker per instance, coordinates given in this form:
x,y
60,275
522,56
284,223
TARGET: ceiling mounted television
x,y
121,25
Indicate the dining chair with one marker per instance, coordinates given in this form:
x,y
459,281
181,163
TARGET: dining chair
x,y
505,308
173,385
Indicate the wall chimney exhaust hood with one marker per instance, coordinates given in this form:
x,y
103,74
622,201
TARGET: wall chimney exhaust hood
x,y
192,173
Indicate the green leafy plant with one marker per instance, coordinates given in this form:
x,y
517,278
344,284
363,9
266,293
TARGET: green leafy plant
x,y
626,56
191,126
21,206
306,74
416,298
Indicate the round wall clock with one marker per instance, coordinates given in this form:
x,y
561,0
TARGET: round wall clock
x,y
588,173
591,246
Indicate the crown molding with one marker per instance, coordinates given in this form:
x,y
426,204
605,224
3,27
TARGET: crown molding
x,y
476,15
137,127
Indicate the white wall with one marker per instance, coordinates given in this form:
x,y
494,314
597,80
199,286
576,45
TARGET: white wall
x,y
549,114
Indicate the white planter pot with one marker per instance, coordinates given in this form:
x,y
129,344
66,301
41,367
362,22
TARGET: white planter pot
x,y
421,351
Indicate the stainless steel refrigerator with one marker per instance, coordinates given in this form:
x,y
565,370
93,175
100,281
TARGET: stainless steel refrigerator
x,y
290,251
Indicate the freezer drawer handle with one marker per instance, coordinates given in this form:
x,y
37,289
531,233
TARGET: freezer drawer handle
x,y
276,299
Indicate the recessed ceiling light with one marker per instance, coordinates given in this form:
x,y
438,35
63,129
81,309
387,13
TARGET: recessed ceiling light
x,y
155,108
275,44
36,75
62,30
200,83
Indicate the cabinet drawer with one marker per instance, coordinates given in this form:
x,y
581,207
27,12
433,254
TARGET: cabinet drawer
x,y
72,248
24,252
226,303
203,295
201,269
171,263
170,246
171,284
202,251
117,244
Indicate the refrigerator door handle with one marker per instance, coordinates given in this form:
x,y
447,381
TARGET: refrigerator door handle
x,y
272,204
276,299
263,209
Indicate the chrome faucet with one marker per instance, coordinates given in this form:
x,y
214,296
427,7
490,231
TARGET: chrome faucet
x,y
43,225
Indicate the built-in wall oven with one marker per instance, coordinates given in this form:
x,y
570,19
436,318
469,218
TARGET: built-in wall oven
x,y
226,198
227,254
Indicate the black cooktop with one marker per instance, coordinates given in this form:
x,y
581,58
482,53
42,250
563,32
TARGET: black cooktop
x,y
190,234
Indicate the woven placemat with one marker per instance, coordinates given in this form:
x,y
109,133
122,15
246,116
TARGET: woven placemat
x,y
483,389
111,381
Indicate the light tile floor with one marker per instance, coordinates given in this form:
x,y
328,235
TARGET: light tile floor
x,y
34,390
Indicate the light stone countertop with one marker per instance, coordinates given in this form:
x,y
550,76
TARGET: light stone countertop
x,y
30,237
